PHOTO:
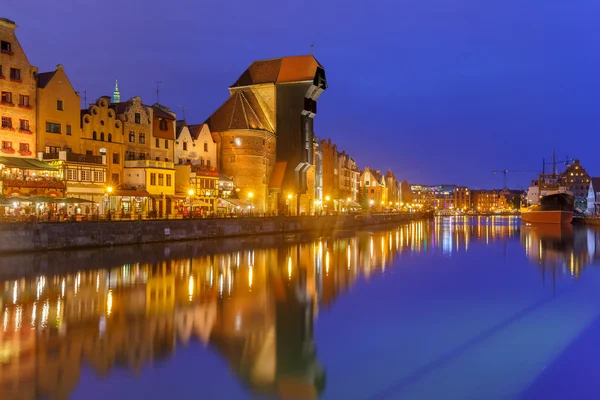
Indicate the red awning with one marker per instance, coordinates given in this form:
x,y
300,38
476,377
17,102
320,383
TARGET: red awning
x,y
277,176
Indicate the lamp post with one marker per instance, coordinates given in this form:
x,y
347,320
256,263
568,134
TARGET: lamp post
x,y
289,199
250,197
109,191
190,195
327,198
371,202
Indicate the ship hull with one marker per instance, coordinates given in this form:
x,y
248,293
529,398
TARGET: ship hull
x,y
547,217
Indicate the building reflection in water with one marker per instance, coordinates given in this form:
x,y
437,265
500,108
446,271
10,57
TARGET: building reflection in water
x,y
564,250
256,307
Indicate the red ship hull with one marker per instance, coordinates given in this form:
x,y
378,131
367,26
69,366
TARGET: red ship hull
x,y
547,217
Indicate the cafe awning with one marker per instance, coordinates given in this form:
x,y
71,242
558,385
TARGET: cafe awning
x,y
25,163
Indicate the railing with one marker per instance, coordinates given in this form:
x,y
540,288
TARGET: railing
x,y
149,164
153,216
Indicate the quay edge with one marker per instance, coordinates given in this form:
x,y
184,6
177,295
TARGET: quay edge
x,y
35,237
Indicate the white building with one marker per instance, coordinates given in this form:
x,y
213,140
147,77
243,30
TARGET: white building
x,y
195,144
593,197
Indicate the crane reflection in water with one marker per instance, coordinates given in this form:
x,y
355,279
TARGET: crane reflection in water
x,y
254,302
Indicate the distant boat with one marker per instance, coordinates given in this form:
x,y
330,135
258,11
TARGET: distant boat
x,y
549,202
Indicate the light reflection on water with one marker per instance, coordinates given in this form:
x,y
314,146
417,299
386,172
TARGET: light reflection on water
x,y
254,306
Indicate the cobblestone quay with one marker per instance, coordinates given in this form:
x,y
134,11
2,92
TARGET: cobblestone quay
x,y
53,236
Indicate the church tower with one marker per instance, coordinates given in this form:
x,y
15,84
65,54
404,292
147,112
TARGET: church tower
x,y
116,95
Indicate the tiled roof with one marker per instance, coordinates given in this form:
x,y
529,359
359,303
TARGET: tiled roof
x,y
44,78
195,130
160,113
179,125
280,70
241,111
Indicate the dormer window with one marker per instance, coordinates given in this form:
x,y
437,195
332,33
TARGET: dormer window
x,y
138,118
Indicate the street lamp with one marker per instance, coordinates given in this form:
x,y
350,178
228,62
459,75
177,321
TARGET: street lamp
x,y
190,195
109,191
289,199
250,197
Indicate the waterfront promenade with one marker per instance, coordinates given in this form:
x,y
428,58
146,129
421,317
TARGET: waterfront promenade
x,y
26,237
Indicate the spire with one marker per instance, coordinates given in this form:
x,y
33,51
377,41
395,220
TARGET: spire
x,y
116,94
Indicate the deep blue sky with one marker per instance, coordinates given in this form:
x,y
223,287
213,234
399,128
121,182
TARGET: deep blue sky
x,y
441,91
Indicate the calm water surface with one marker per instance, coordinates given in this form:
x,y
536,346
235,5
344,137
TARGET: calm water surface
x,y
479,308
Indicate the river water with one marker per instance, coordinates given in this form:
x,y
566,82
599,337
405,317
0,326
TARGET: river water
x,y
455,308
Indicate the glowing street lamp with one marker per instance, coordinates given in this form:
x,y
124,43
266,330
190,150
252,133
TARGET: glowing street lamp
x,y
109,191
190,195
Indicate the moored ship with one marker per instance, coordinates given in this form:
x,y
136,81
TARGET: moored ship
x,y
549,201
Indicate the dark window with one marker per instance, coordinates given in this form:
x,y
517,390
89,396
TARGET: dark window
x,y
23,147
6,144
7,97
115,179
110,137
102,136
208,163
184,145
205,146
157,142
138,118
59,105
1,70
166,144
69,130
24,125
5,47
116,158
94,135
15,74
142,138
163,125
52,149
168,180
131,137
52,127
157,158
153,179
142,156
161,179
24,100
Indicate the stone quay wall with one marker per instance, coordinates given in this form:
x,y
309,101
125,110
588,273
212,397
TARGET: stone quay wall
x,y
57,236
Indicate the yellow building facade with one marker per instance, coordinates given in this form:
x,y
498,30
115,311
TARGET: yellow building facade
x,y
18,82
102,134
58,113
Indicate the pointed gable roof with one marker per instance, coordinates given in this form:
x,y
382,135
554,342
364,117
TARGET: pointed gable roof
x,y
195,130
179,125
280,70
44,78
241,111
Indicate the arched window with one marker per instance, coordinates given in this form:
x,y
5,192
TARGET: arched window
x,y
102,136
110,137
94,135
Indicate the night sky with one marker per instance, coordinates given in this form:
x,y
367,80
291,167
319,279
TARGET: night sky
x,y
440,91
